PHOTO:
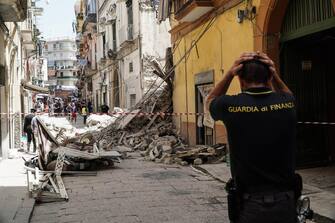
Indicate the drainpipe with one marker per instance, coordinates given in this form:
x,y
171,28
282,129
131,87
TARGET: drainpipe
x,y
140,50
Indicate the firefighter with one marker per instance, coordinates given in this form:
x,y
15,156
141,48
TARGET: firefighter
x,y
261,127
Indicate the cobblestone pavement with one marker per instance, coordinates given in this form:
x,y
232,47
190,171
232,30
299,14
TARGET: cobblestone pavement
x,y
139,191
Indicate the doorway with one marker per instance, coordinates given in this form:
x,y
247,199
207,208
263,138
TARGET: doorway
x,y
307,67
204,127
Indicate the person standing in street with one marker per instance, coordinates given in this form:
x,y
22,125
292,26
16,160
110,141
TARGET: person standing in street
x,y
84,113
27,128
74,113
90,107
261,127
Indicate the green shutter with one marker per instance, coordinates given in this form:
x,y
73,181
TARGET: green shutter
x,y
304,17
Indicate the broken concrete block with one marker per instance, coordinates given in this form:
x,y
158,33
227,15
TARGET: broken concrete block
x,y
184,163
197,161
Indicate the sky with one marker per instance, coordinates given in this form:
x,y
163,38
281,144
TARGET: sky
x,y
57,18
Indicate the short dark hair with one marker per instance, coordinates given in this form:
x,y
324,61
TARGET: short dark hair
x,y
32,110
255,71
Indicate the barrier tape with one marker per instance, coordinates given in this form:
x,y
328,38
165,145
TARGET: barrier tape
x,y
151,114
116,113
317,123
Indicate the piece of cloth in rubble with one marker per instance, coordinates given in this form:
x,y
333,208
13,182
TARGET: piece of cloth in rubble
x,y
200,121
206,119
261,127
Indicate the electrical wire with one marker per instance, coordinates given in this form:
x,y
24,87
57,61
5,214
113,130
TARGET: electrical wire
x,y
170,72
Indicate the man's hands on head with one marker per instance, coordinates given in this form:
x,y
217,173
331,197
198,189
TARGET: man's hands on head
x,y
222,87
266,60
238,64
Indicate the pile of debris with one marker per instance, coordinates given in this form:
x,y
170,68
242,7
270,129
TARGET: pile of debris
x,y
149,130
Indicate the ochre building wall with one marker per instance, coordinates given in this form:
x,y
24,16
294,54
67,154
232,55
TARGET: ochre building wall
x,y
224,41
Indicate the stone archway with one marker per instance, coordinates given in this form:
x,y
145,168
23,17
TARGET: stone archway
x,y
271,14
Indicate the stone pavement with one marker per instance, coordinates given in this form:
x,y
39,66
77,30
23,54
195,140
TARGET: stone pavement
x,y
139,191
15,205
319,185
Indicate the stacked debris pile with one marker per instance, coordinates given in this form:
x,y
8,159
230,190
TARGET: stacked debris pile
x,y
96,122
161,151
149,130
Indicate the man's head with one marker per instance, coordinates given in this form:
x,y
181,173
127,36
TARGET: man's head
x,y
254,73
32,111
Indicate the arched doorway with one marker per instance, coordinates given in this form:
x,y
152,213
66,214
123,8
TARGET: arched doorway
x,y
300,36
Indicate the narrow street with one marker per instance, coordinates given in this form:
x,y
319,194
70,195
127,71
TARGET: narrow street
x,y
139,191
117,111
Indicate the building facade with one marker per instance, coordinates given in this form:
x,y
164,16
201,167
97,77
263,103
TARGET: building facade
x,y
119,46
298,35
62,61
18,51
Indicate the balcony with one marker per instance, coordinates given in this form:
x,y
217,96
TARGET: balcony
x,y
13,10
191,10
29,46
27,35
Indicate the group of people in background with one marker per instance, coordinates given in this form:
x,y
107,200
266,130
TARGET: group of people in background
x,y
57,107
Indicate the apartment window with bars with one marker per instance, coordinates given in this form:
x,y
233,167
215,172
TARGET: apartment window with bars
x,y
114,35
132,100
131,67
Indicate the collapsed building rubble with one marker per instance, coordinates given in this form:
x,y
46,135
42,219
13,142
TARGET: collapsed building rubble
x,y
60,154
148,128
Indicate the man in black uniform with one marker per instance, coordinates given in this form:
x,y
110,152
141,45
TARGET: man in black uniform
x,y
261,127
28,130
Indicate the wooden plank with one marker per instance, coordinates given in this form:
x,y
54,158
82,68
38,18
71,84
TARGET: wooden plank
x,y
77,153
151,122
54,184
84,173
86,155
61,187
128,118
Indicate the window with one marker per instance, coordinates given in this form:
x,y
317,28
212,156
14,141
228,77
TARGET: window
x,y
74,74
104,45
130,19
61,74
114,35
132,100
131,67
55,46
60,46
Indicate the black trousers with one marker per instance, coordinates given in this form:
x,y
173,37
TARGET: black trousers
x,y
268,208
30,137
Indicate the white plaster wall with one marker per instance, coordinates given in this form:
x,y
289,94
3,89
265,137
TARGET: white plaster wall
x,y
96,89
132,80
155,37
